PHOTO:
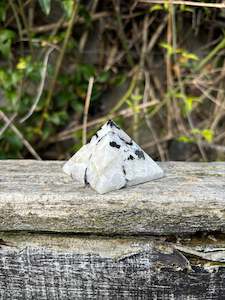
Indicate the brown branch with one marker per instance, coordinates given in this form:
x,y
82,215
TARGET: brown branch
x,y
20,135
41,86
148,120
49,27
188,3
86,108
126,113
59,63
7,124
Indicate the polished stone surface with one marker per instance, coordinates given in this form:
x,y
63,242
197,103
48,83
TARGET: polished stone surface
x,y
112,160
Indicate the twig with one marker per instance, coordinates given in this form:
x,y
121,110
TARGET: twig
x,y
216,147
19,25
188,3
11,18
211,54
207,94
127,94
144,41
26,25
160,141
86,108
14,9
7,124
198,142
80,20
59,63
157,34
41,86
122,34
189,118
19,134
126,113
169,74
147,120
85,35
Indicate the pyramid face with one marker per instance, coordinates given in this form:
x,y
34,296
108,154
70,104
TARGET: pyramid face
x,y
111,161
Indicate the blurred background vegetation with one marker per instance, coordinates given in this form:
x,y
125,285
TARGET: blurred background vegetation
x,y
158,70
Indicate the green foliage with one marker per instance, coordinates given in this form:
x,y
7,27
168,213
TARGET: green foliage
x,y
187,102
206,134
156,7
25,41
45,6
185,55
133,102
11,145
6,37
3,9
68,7
185,139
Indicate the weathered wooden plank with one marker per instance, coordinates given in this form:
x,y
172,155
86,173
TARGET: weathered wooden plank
x,y
37,196
45,266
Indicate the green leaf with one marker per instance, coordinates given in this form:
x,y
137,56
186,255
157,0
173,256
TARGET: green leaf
x,y
156,7
12,97
168,47
58,118
15,76
22,63
129,103
2,11
3,78
190,56
136,98
208,135
45,6
185,8
6,37
77,106
84,13
185,139
86,71
188,103
14,140
103,77
68,7
119,79
166,6
47,131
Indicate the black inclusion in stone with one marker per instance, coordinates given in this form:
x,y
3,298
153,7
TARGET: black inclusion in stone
x,y
140,154
128,143
112,124
130,157
124,171
85,176
114,144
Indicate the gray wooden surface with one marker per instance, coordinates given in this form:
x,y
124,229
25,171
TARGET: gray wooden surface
x,y
44,266
38,196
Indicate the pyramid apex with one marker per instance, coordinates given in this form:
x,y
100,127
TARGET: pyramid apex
x,y
111,123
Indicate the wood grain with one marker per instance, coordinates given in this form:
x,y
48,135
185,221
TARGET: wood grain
x,y
37,196
49,266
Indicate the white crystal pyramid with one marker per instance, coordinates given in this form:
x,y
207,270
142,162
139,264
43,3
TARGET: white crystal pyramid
x,y
111,161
